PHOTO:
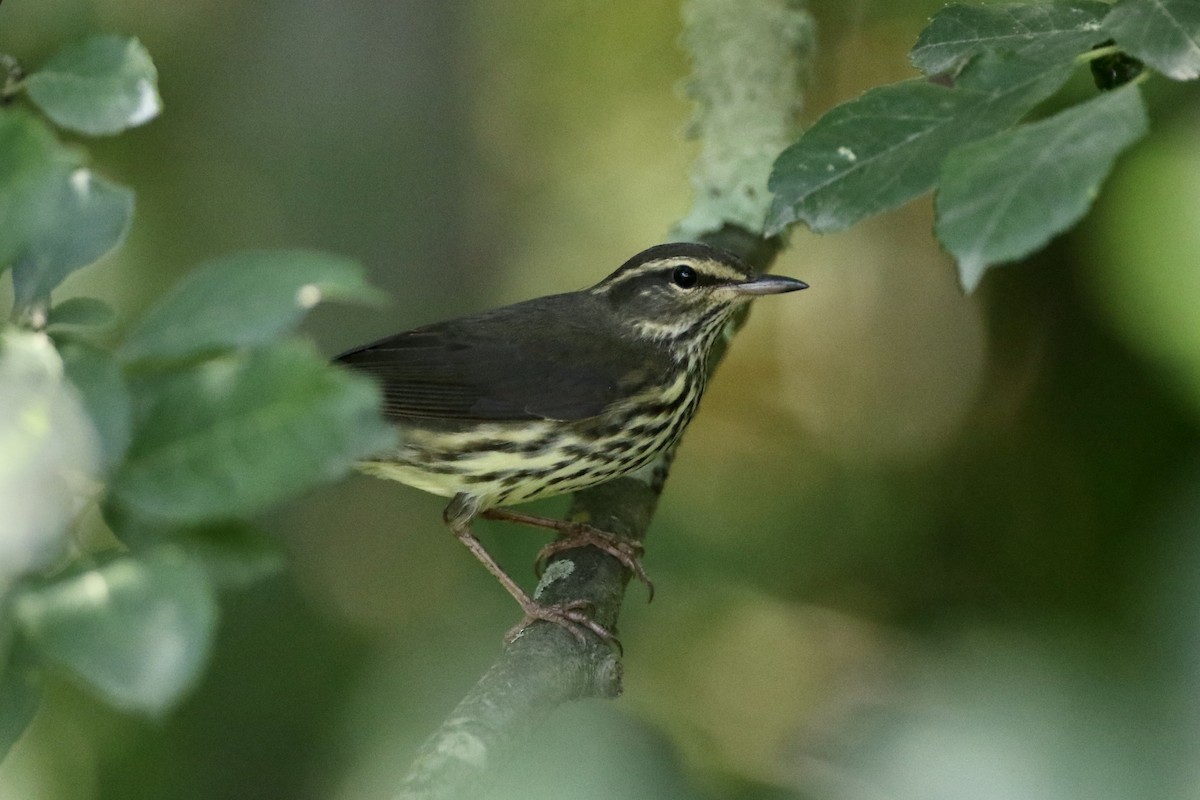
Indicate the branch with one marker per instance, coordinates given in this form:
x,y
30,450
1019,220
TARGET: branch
x,y
748,63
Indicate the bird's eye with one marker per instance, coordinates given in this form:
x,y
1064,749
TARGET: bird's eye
x,y
684,276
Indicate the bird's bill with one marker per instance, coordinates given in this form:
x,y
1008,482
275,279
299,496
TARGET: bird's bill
x,y
769,284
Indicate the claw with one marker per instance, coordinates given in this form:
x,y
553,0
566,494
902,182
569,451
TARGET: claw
x,y
579,534
568,616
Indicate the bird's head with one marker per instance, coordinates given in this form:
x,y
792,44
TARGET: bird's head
x,y
685,292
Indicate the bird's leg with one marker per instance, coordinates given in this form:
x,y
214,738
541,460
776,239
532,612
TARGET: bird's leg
x,y
570,616
579,534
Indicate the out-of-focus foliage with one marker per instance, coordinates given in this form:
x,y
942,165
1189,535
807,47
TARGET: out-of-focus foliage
x,y
58,215
1145,276
135,629
206,311
101,85
207,420
915,544
208,446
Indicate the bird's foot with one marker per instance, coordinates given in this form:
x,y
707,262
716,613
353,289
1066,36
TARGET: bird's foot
x,y
568,616
580,534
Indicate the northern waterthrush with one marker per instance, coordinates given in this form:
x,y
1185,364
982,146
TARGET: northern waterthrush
x,y
557,394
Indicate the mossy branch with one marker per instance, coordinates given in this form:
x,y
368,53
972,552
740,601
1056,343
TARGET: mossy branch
x,y
749,60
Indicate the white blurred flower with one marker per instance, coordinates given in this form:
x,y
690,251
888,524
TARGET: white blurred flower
x,y
48,453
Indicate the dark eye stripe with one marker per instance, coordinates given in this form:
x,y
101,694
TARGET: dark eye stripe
x,y
660,274
667,275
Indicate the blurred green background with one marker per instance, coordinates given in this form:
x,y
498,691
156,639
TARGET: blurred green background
x,y
916,545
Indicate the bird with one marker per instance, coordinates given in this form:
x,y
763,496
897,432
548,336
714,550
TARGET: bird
x,y
554,395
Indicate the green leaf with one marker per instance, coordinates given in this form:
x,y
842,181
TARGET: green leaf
x,y
236,434
135,531
55,216
80,312
138,630
20,695
1163,33
242,300
97,376
1003,197
76,219
30,158
886,147
48,454
1045,32
235,554
101,85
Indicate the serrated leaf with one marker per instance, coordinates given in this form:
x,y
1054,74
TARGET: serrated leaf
x,y
236,434
1163,33
20,695
1003,197
80,312
97,377
101,85
1045,32
242,300
30,157
48,454
137,630
886,147
74,219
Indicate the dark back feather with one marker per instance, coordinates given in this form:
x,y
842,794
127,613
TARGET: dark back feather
x,y
560,357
